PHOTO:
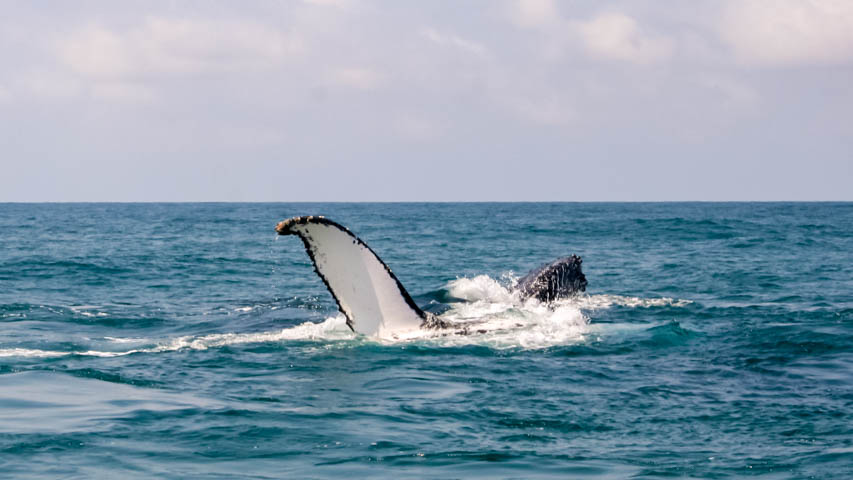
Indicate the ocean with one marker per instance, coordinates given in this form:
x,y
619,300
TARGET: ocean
x,y
715,340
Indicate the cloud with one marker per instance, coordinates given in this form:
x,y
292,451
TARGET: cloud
x,y
162,46
569,82
123,91
416,127
48,85
548,109
450,40
611,36
5,94
356,78
331,3
533,13
615,36
732,93
532,98
789,32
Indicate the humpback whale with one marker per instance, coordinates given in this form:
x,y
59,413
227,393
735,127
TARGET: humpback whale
x,y
371,297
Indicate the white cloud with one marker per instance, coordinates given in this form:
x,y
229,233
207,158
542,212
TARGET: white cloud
x,y
356,78
612,36
789,32
733,93
552,110
123,91
416,127
543,76
448,39
5,94
615,36
534,13
169,46
331,3
532,98
49,85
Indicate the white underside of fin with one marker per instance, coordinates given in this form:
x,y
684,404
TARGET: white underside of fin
x,y
365,290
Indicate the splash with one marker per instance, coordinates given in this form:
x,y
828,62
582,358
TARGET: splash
x,y
495,317
479,288
490,315
333,328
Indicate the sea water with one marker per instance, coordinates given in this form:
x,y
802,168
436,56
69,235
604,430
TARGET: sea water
x,y
189,341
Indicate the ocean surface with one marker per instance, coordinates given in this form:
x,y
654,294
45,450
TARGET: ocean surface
x,y
188,341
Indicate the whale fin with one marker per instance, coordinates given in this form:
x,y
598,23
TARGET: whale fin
x,y
366,291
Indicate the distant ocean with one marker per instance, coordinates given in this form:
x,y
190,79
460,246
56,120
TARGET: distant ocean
x,y
715,340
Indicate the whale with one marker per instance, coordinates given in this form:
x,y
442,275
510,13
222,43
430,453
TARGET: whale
x,y
372,298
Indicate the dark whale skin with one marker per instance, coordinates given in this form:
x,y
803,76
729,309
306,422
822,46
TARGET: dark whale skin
x,y
559,279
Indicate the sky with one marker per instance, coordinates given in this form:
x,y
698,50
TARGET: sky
x,y
499,100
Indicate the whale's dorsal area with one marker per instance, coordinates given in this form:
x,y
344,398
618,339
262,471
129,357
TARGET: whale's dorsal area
x,y
366,291
559,279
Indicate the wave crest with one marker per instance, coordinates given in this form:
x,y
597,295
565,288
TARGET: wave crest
x,y
490,315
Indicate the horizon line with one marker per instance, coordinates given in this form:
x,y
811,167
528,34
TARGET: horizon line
x,y
403,201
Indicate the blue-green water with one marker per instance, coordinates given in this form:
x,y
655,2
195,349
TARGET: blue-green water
x,y
173,341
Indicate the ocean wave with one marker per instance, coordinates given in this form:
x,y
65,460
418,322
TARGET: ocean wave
x,y
600,301
491,315
333,328
86,311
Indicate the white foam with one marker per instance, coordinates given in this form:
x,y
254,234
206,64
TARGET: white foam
x,y
595,302
491,316
126,340
82,310
495,317
29,352
479,288
530,326
333,328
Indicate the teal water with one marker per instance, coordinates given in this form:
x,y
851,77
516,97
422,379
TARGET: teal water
x,y
187,341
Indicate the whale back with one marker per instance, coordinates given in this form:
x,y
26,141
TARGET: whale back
x,y
552,281
366,291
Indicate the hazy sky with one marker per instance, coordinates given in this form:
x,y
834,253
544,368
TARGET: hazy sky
x,y
429,100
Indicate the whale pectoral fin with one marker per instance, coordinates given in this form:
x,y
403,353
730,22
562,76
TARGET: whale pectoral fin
x,y
364,288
